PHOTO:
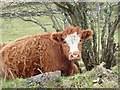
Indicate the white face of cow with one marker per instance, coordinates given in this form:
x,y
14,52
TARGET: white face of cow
x,y
72,41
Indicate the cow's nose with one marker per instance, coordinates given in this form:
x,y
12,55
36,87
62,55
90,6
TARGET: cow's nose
x,y
75,55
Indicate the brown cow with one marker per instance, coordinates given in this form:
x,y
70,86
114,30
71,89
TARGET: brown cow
x,y
34,54
1,46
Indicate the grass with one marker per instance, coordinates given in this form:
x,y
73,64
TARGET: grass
x,y
83,80
16,28
17,83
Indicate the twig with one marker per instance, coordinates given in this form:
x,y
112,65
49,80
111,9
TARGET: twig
x,y
40,71
32,20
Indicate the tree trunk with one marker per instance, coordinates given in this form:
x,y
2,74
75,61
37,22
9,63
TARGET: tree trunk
x,y
78,16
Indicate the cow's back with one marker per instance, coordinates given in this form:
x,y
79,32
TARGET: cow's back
x,y
29,56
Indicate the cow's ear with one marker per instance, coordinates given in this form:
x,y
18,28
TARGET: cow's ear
x,y
86,34
57,37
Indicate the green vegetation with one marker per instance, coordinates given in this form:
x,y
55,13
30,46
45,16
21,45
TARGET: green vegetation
x,y
15,28
83,80
17,83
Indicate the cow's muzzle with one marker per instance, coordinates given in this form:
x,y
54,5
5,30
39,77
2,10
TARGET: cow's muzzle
x,y
74,56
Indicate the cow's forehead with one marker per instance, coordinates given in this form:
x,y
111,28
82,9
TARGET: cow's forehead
x,y
72,36
71,30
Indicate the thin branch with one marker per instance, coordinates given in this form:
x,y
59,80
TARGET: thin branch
x,y
32,20
53,18
115,23
62,6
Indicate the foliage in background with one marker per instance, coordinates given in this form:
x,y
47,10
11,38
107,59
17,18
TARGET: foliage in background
x,y
33,12
103,19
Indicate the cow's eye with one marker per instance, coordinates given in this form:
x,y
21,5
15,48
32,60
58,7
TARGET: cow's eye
x,y
80,40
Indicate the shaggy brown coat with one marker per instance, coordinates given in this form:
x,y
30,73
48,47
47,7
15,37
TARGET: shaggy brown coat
x,y
35,54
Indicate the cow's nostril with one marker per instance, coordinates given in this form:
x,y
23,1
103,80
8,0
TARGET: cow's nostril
x,y
71,55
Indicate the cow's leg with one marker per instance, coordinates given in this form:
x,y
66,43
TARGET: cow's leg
x,y
74,69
